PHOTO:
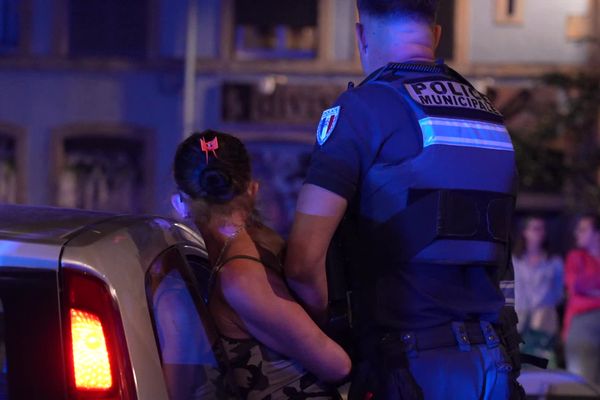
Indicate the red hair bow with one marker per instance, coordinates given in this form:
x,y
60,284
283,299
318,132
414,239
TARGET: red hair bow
x,y
212,145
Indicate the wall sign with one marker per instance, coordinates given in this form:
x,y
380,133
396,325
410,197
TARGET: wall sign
x,y
285,104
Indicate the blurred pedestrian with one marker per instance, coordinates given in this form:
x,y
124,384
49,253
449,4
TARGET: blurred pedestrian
x,y
538,289
582,316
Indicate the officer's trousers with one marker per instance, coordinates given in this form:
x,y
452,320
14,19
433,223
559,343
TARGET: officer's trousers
x,y
446,373
449,373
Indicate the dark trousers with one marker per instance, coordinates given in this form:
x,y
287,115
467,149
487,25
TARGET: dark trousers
x,y
444,373
583,346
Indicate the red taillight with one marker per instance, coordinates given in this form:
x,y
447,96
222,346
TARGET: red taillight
x,y
90,354
97,359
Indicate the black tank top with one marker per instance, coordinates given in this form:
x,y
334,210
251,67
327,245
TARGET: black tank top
x,y
262,373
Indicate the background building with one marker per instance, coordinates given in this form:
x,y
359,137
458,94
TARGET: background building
x,y
96,94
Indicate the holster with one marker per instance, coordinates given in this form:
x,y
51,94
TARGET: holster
x,y
396,381
511,339
385,376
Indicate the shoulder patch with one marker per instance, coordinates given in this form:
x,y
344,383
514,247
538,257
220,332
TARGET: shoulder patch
x,y
327,124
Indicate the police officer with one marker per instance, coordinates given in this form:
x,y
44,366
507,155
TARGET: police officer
x,y
420,166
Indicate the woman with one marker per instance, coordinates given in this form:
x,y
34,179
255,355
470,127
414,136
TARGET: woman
x,y
582,314
538,289
274,347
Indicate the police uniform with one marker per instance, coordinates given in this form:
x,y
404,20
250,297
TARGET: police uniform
x,y
427,167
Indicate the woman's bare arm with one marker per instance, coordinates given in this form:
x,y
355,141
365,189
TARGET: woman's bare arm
x,y
279,322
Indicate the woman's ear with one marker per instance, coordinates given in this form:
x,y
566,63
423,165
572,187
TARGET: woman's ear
x,y
253,188
180,206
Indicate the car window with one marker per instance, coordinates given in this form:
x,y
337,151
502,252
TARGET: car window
x,y
3,363
202,271
188,342
31,348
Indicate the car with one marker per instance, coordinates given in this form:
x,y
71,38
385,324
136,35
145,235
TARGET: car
x,y
96,305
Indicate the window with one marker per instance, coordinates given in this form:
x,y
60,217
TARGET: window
x,y
579,28
9,25
31,344
275,29
186,336
3,363
102,171
108,28
509,11
445,18
202,271
8,169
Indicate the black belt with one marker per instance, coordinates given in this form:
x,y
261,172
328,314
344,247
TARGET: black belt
x,y
461,334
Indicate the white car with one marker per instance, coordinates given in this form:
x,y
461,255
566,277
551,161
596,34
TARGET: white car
x,y
99,306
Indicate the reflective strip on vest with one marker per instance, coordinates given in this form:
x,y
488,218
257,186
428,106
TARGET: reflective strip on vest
x,y
464,133
508,290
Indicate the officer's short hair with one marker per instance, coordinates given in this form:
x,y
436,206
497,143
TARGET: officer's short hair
x,y
424,10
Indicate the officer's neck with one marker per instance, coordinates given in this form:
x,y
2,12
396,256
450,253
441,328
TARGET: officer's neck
x,y
407,55
420,49
416,53
407,42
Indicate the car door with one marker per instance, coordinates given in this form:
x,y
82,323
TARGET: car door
x,y
193,362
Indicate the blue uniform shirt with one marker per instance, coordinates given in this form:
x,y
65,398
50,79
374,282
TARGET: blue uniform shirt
x,y
375,131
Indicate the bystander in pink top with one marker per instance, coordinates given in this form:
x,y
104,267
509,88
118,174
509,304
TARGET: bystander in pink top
x,y
582,279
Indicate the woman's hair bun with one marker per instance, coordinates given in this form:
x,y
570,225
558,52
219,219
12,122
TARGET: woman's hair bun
x,y
216,185
216,175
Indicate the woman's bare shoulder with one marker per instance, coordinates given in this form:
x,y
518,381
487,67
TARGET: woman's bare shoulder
x,y
267,238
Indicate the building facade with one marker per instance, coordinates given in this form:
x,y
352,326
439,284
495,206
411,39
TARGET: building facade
x,y
94,93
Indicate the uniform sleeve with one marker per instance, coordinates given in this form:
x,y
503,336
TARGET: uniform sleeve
x,y
338,164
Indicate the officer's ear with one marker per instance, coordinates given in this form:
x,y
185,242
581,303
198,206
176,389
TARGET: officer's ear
x,y
361,39
437,34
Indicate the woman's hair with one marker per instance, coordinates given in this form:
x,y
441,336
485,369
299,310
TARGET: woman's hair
x,y
520,244
213,169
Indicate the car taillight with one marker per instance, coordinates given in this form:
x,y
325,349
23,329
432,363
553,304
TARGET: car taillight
x,y
90,355
98,365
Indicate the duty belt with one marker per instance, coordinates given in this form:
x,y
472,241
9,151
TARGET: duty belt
x,y
461,334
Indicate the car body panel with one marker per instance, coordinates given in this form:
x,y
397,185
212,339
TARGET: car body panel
x,y
33,237
29,255
117,249
45,225
120,251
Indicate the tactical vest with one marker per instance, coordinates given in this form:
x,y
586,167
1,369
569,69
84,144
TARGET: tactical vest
x,y
459,191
